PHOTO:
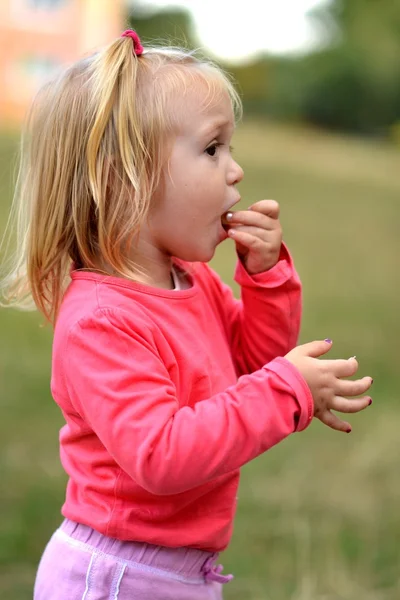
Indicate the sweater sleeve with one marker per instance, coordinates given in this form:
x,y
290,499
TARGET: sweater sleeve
x,y
117,381
265,322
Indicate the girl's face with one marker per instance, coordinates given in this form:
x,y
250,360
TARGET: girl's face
x,y
198,182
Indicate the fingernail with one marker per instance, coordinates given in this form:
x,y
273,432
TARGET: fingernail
x,y
348,430
328,341
370,402
352,357
372,381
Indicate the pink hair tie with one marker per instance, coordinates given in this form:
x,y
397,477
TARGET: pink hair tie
x,y
137,46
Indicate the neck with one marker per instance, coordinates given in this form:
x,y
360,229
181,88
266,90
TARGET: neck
x,y
152,260
156,264
158,274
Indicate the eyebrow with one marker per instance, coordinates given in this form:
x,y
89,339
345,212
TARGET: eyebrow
x,y
216,126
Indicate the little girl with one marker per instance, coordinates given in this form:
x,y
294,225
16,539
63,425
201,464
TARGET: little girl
x,y
168,385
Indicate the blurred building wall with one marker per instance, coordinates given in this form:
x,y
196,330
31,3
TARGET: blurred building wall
x,y
38,36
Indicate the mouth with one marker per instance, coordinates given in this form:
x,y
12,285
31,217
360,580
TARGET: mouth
x,y
232,204
224,221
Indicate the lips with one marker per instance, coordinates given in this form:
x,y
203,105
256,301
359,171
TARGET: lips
x,y
232,204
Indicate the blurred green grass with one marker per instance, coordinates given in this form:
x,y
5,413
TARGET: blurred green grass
x,y
318,515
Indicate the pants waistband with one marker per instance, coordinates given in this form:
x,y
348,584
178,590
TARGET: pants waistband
x,y
187,562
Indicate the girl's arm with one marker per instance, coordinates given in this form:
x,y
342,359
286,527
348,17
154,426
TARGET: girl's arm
x,y
265,323
118,383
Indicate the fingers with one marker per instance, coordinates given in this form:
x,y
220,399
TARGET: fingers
x,y
263,234
315,349
334,422
266,207
344,405
342,367
250,218
246,239
353,388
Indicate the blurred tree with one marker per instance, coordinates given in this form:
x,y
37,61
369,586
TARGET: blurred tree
x,y
352,83
171,26
253,81
355,82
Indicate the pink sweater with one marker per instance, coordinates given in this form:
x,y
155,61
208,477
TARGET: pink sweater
x,y
157,421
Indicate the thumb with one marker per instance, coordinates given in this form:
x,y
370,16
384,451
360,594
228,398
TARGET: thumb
x,y
316,349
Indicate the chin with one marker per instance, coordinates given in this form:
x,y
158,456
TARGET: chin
x,y
205,255
208,257
197,255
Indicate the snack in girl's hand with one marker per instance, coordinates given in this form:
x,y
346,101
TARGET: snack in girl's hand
x,y
226,219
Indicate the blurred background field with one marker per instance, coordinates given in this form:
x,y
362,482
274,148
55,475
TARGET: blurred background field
x,y
318,516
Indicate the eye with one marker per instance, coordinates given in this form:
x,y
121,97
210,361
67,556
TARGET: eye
x,y
212,150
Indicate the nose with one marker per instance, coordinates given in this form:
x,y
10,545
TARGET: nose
x,y
236,173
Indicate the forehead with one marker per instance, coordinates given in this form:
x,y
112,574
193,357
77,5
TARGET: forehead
x,y
203,109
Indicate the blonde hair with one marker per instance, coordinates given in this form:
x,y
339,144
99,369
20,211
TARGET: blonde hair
x,y
92,157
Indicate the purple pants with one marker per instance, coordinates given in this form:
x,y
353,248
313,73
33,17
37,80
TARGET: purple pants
x,y
82,564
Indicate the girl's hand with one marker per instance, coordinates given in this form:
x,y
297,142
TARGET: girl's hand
x,y
257,234
328,388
